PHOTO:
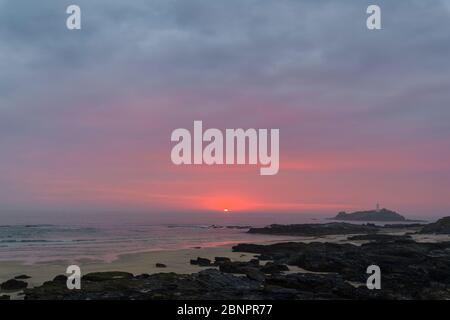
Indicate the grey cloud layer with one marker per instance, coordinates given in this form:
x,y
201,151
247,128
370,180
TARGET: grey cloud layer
x,y
286,46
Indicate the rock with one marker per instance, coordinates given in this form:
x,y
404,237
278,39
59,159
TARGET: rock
x,y
251,268
161,265
60,278
143,276
236,267
255,274
207,284
220,260
380,237
22,277
319,286
5,297
106,276
264,257
13,284
212,280
442,226
254,262
403,226
315,229
410,269
370,215
239,227
272,268
203,262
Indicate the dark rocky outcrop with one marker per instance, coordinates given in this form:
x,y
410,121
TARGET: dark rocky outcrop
x,y
370,215
60,278
202,262
22,277
106,276
417,226
13,284
238,227
205,285
333,228
160,265
442,226
219,260
410,270
379,237
255,274
273,268
5,297
237,267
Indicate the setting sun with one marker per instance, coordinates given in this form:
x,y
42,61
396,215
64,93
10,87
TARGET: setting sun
x,y
225,210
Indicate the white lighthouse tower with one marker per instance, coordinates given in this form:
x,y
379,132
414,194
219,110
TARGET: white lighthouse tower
x,y
377,207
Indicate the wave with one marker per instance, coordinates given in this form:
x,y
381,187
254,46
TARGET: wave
x,y
193,226
29,241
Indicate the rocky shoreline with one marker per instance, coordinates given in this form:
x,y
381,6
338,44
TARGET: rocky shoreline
x,y
410,270
332,228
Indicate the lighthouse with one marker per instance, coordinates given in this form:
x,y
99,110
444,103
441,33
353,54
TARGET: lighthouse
x,y
377,208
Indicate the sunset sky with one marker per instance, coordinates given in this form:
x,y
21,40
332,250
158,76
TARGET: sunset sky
x,y
86,116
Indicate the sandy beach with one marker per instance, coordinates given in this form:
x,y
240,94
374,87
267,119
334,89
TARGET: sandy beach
x,y
136,263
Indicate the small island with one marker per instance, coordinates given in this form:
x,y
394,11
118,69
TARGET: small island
x,y
370,215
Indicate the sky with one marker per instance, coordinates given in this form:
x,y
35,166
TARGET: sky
x,y
86,115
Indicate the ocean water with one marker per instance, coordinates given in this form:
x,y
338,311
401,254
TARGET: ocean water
x,y
42,243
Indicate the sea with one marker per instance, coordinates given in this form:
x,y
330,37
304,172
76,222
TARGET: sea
x,y
31,244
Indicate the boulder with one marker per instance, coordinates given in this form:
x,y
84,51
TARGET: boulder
x,y
255,274
272,268
106,276
442,226
13,284
60,278
234,267
220,260
202,262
